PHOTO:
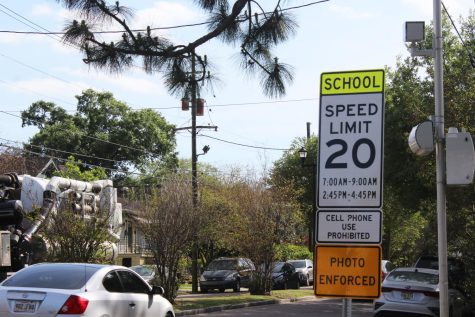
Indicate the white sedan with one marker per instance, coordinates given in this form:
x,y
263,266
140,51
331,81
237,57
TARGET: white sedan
x,y
415,292
77,289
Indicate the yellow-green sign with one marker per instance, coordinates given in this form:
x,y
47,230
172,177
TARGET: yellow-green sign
x,y
357,82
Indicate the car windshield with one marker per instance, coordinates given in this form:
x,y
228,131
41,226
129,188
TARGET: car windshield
x,y
412,276
278,267
143,270
52,276
222,265
298,264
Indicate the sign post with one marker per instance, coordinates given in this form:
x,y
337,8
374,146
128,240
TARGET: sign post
x,y
350,186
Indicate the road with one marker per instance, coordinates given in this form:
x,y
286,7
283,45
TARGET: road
x,y
307,308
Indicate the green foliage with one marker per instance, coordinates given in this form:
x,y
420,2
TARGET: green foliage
x,y
105,131
410,213
287,252
73,171
73,239
406,236
289,173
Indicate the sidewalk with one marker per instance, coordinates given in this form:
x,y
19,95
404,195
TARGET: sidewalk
x,y
242,305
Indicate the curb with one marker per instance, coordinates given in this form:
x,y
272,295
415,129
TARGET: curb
x,y
237,306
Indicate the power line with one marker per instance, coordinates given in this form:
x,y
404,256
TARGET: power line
x,y
218,105
244,145
66,160
62,151
472,60
35,25
91,137
87,165
157,28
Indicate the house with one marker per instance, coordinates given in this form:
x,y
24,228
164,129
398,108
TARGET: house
x,y
133,248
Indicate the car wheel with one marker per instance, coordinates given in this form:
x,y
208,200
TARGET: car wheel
x,y
169,314
222,290
203,290
237,286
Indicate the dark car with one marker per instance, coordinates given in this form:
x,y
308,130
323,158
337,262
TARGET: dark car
x,y
305,268
284,275
227,273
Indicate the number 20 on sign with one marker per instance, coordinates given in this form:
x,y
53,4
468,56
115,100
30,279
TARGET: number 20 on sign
x,y
350,165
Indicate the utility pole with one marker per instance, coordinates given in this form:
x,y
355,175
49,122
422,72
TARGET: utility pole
x,y
414,34
194,160
440,160
194,174
312,219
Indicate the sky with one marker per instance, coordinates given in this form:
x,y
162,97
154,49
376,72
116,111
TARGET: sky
x,y
253,131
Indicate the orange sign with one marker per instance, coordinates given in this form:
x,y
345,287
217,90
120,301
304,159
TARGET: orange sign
x,y
347,271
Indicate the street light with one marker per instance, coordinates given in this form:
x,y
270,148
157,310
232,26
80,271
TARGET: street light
x,y
206,148
311,230
303,155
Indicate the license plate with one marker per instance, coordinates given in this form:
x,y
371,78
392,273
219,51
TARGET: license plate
x,y
24,306
407,295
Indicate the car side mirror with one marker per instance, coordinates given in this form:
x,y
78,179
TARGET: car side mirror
x,y
310,267
157,290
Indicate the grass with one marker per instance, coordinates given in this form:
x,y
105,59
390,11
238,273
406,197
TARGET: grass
x,y
218,300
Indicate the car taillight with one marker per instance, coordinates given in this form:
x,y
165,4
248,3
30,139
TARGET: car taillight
x,y
74,305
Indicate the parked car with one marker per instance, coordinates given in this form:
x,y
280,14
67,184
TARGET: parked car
x,y
147,272
415,291
455,268
284,276
305,268
227,273
386,267
88,290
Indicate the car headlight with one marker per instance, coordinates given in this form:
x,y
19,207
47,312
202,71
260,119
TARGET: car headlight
x,y
230,277
202,278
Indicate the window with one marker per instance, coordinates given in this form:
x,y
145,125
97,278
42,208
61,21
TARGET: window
x,y
217,265
411,276
62,276
131,283
298,264
111,282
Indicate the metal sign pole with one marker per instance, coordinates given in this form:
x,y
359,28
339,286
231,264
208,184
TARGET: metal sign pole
x,y
440,160
346,311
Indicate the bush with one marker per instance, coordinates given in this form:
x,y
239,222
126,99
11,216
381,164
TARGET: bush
x,y
286,252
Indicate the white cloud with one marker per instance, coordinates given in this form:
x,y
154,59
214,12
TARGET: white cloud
x,y
350,12
46,88
425,7
41,10
9,38
164,14
129,82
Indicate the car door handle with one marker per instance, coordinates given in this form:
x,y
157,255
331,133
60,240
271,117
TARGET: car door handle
x,y
132,305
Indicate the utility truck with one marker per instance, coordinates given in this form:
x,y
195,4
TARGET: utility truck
x,y
27,201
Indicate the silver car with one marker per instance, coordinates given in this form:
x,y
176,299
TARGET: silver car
x,y
415,291
305,269
76,289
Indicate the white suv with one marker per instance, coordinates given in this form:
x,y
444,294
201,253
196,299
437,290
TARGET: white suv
x,y
305,269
